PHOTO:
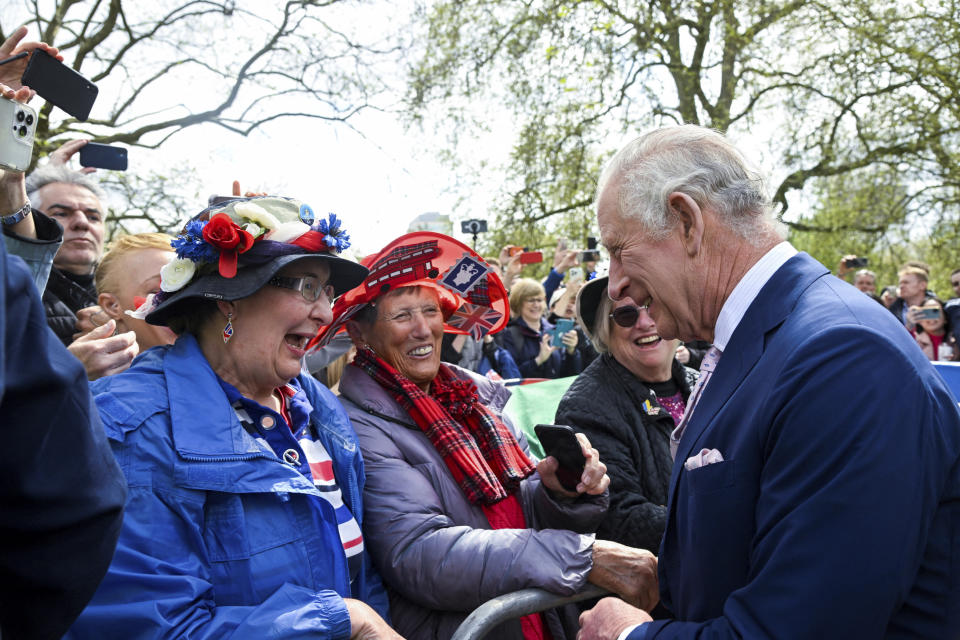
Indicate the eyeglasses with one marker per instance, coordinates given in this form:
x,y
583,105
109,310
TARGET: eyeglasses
x,y
626,316
308,286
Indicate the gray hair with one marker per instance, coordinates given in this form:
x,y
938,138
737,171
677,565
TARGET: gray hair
x,y
600,336
865,272
700,163
51,173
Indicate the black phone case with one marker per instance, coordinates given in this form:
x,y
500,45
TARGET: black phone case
x,y
103,156
59,84
562,444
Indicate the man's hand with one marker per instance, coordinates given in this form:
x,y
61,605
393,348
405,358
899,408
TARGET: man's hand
x,y
104,354
843,268
11,72
65,151
630,573
608,619
366,624
594,480
563,259
88,319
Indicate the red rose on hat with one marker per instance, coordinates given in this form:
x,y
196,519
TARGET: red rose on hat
x,y
227,236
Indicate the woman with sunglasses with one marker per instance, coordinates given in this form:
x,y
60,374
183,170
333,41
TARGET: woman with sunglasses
x,y
627,402
244,505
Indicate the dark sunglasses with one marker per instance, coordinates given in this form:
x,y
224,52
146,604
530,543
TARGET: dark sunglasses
x,y
626,316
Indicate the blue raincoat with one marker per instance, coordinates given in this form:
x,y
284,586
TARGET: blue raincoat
x,y
217,540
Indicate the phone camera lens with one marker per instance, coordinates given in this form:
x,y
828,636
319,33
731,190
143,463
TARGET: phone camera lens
x,y
20,116
22,131
29,119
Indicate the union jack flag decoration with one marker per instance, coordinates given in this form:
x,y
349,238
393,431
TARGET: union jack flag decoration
x,y
474,319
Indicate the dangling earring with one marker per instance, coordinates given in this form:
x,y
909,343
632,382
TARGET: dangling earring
x,y
228,330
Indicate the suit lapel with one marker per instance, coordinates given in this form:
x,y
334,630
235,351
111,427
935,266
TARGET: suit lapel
x,y
772,305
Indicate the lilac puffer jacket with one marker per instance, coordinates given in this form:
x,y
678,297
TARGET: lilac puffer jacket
x,y
434,549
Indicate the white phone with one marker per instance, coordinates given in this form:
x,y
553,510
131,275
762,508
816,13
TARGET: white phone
x,y
19,124
574,274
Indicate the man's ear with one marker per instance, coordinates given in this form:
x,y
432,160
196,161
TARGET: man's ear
x,y
689,219
110,305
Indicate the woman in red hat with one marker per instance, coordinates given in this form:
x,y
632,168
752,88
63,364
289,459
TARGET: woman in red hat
x,y
456,511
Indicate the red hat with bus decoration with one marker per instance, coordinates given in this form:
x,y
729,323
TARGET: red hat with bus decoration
x,y
472,296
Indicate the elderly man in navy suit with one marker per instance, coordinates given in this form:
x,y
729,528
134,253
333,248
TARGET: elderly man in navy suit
x,y
816,482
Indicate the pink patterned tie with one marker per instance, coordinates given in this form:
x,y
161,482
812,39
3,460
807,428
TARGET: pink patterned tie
x,y
707,367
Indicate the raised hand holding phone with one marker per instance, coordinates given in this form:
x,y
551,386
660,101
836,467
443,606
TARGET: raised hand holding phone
x,y
573,466
17,53
19,124
559,330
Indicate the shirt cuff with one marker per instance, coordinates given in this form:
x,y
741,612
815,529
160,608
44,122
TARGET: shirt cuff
x,y
626,632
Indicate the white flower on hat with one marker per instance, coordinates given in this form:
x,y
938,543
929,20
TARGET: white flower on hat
x,y
287,231
176,273
255,213
252,229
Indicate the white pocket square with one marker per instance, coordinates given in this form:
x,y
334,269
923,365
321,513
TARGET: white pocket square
x,y
705,457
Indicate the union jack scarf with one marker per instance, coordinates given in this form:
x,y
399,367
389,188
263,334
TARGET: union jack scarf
x,y
480,451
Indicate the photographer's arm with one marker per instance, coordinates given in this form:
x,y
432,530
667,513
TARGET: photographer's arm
x,y
33,237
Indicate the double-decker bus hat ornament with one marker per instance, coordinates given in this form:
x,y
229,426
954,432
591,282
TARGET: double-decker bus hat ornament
x,y
472,296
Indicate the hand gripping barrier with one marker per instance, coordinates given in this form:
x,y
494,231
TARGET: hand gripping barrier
x,y
515,605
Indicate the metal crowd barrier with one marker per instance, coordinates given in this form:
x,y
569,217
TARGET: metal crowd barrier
x,y
515,605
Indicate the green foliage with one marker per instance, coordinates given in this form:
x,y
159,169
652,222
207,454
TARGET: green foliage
x,y
828,88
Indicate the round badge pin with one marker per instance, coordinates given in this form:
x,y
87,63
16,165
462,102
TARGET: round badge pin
x,y
307,216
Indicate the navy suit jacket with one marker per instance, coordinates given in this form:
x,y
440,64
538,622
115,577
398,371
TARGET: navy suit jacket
x,y
836,510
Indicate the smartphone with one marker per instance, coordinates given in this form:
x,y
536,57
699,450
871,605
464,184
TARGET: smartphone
x,y
529,257
16,140
591,255
856,263
59,84
574,275
560,441
563,325
928,313
103,156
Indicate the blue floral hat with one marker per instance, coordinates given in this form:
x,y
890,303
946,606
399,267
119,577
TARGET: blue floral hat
x,y
230,250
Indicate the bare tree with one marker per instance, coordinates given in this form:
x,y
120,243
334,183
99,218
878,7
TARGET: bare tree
x,y
253,65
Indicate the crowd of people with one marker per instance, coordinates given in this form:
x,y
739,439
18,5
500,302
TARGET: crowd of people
x,y
237,431
933,322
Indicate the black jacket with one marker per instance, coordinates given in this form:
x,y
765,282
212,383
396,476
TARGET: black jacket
x,y
607,403
62,299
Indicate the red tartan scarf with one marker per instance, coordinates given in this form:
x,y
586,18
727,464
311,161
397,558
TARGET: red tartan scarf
x,y
480,451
